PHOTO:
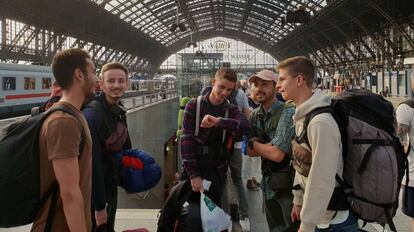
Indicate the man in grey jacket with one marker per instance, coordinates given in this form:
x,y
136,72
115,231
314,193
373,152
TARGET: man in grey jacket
x,y
312,197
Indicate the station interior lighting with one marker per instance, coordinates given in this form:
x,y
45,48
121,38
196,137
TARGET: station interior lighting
x,y
298,16
177,24
191,42
180,26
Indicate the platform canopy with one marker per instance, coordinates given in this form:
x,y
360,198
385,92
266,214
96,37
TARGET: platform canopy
x,y
255,22
144,33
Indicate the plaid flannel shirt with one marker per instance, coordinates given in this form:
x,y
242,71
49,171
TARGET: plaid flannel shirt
x,y
235,123
281,137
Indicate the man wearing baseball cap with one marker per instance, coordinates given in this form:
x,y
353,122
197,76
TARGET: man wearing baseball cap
x,y
270,138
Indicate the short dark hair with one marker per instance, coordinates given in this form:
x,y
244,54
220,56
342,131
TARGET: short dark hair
x,y
299,65
65,63
113,65
226,73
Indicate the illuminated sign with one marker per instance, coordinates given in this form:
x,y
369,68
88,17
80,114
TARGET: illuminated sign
x,y
220,45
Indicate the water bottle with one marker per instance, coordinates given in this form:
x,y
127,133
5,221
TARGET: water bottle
x,y
244,145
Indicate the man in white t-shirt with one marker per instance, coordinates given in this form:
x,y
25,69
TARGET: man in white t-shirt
x,y
405,119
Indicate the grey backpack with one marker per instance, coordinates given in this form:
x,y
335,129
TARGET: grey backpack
x,y
374,160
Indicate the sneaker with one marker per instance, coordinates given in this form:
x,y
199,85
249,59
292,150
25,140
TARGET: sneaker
x,y
245,224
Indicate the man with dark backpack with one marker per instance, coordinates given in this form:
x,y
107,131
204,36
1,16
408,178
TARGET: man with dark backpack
x,y
106,118
311,199
355,161
60,140
47,157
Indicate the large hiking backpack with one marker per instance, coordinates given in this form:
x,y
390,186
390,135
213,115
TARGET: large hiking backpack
x,y
374,160
20,198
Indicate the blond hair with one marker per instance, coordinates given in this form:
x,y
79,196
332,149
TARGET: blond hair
x,y
299,65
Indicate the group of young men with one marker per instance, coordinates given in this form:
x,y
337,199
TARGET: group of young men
x,y
76,151
271,129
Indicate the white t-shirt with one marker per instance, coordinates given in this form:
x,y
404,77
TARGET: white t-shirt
x,y
405,115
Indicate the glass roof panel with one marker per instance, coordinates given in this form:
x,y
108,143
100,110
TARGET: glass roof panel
x,y
259,18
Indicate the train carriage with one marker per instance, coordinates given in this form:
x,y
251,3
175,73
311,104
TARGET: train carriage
x,y
23,87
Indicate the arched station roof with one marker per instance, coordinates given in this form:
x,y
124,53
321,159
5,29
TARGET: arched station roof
x,y
255,22
142,27
138,31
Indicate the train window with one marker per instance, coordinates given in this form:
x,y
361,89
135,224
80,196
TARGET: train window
x,y
46,82
9,83
29,83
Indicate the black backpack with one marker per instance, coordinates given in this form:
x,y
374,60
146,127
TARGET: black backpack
x,y
40,109
171,212
20,198
374,161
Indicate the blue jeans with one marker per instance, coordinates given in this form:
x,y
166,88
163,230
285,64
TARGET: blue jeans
x,y
349,225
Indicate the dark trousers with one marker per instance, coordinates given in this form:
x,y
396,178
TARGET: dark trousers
x,y
109,226
278,211
208,168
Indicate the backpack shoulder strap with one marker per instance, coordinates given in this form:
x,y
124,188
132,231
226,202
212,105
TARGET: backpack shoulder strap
x,y
253,116
303,136
197,122
68,110
409,102
226,115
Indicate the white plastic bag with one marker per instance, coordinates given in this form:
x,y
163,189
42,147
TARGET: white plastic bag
x,y
213,218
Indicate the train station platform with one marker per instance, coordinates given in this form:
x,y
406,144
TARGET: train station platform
x,y
143,209
129,219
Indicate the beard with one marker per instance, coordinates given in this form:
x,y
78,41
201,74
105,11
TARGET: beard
x,y
89,91
263,97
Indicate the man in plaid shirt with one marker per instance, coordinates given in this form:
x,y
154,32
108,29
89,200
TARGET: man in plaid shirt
x,y
272,133
205,156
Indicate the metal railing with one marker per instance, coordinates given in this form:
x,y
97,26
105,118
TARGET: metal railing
x,y
129,103
140,101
